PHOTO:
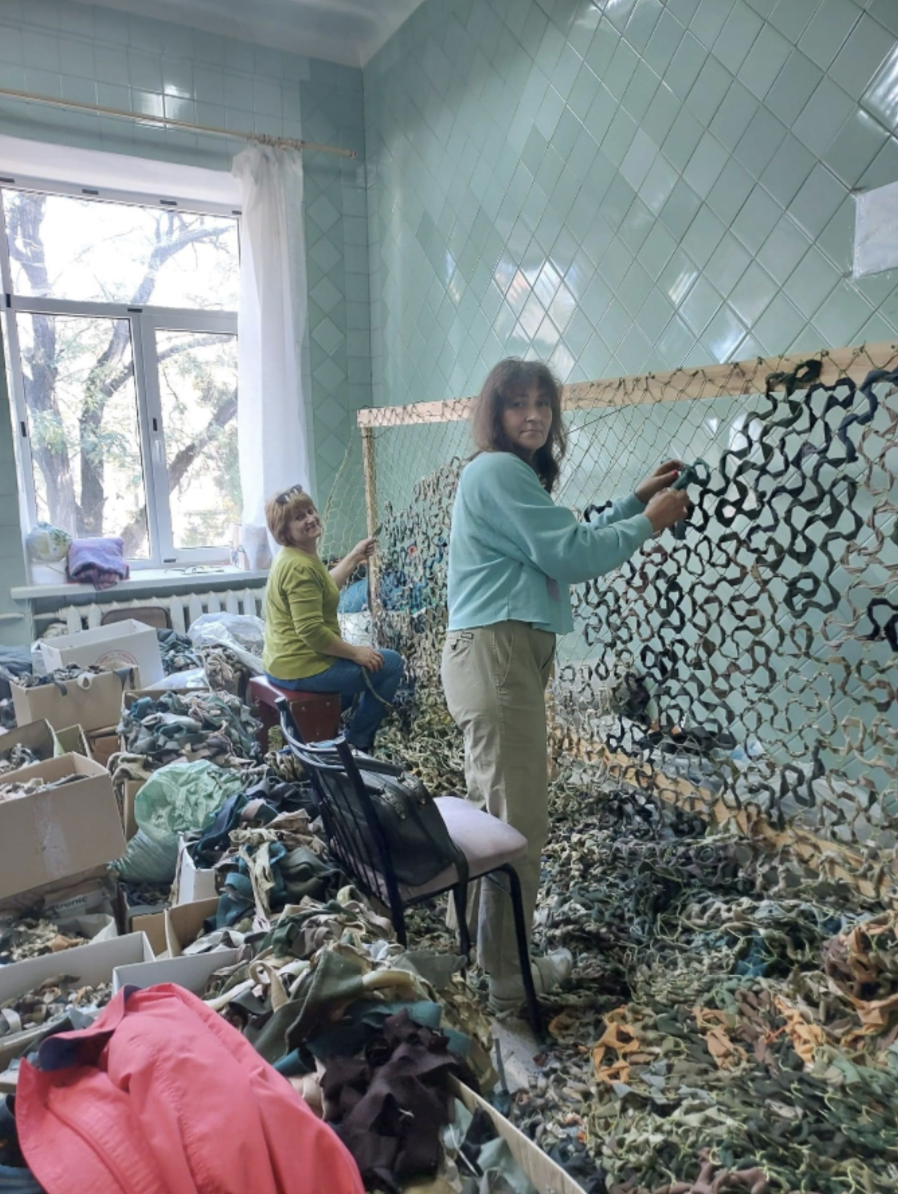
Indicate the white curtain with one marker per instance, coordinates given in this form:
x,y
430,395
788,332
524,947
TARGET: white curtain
x,y
272,426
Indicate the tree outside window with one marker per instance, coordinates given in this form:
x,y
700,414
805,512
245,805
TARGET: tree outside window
x,y
123,354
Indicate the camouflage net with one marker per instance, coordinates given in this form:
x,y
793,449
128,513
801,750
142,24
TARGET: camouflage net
x,y
723,717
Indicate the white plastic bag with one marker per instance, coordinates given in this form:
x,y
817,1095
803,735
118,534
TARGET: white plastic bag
x,y
243,633
183,681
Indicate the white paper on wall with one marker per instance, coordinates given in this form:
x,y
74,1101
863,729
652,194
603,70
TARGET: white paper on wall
x,y
876,230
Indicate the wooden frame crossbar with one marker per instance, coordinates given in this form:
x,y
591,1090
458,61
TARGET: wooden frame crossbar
x,y
712,381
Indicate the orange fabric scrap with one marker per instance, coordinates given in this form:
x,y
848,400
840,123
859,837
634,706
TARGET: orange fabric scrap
x,y
851,967
619,1037
806,1038
725,1053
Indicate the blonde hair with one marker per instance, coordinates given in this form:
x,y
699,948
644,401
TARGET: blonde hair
x,y
282,508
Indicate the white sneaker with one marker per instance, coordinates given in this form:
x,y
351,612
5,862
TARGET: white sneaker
x,y
507,994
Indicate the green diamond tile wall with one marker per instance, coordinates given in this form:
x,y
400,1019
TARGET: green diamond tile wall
x,y
623,185
101,56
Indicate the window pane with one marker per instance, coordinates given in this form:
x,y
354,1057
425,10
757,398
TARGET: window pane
x,y
198,387
82,422
88,250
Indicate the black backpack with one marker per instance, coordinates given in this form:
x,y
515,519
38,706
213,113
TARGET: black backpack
x,y
417,838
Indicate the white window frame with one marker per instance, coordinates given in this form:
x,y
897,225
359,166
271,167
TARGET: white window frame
x,y
144,323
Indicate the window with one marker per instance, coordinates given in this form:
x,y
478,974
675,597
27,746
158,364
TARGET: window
x,y
121,341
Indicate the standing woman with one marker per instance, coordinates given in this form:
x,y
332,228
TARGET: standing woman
x,y
512,555
303,649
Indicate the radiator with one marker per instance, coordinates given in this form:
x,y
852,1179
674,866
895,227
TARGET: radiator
x,y
183,608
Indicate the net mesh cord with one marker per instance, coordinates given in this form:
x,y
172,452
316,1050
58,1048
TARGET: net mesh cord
x,y
746,670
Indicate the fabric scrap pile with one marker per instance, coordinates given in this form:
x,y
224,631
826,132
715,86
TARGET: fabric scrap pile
x,y
366,1032
16,789
389,1104
476,1158
230,648
271,865
732,1022
177,652
60,676
732,1009
50,1003
194,725
259,804
18,756
32,936
204,803
225,670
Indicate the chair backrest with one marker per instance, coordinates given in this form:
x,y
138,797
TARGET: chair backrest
x,y
355,836
151,615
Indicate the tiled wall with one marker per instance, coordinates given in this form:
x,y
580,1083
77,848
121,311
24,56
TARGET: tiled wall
x,y
69,50
623,185
337,265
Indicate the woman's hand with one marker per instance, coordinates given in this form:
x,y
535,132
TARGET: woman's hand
x,y
668,507
363,550
368,658
662,478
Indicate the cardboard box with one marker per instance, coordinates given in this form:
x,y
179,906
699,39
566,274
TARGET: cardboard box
x,y
184,923
93,704
91,964
192,884
546,1174
120,644
47,743
38,736
72,741
153,925
103,744
57,832
129,794
94,926
192,973
90,891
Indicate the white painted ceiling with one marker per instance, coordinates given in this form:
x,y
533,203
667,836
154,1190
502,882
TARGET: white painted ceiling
x,y
346,31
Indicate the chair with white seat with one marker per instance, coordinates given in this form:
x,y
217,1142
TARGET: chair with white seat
x,y
487,847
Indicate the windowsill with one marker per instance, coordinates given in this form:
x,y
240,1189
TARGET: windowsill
x,y
147,578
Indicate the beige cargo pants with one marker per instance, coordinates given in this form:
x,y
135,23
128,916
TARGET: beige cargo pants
x,y
495,679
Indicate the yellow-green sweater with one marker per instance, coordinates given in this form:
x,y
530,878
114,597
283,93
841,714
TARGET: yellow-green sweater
x,y
300,616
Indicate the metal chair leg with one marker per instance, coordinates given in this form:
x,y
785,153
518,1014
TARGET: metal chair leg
x,y
460,898
534,1013
397,915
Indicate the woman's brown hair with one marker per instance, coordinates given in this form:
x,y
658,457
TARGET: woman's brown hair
x,y
281,509
506,381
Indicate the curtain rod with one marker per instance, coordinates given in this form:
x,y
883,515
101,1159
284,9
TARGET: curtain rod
x,y
145,118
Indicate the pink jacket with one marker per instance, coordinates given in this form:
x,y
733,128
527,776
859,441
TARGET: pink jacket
x,y
162,1096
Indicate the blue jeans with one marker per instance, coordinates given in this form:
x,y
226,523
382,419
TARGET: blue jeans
x,y
347,679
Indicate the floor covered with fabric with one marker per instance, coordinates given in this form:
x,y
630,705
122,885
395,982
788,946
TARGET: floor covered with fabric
x,y
733,1016
731,1024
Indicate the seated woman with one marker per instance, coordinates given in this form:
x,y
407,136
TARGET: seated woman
x,y
303,648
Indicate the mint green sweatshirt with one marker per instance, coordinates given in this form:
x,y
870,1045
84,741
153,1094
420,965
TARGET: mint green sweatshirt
x,y
513,552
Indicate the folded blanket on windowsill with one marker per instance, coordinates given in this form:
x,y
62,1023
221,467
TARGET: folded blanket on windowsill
x,y
99,562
